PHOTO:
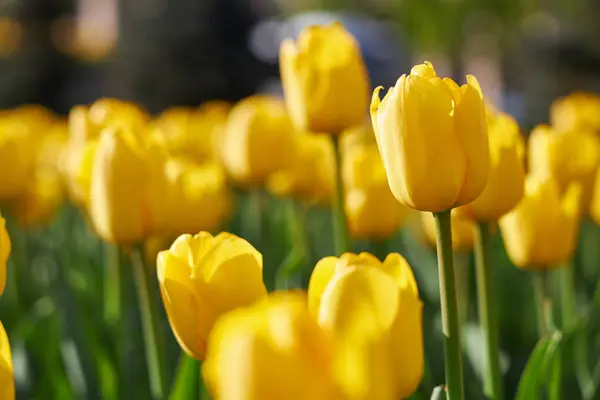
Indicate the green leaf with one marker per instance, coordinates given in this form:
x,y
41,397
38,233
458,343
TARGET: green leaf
x,y
187,380
538,368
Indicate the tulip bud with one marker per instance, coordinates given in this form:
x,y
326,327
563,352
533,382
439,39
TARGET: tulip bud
x,y
577,111
202,277
198,198
324,79
41,198
506,181
127,188
270,351
16,158
432,136
462,230
5,248
541,231
7,381
372,313
568,157
258,139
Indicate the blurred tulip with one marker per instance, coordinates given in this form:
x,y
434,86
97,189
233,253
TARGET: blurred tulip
x,y
595,203
570,156
541,231
17,159
309,176
270,351
358,136
127,195
324,79
372,313
371,209
42,197
258,139
577,111
506,181
197,195
432,135
5,248
462,230
7,381
202,277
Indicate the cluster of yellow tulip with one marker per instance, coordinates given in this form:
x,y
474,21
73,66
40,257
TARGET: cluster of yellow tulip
x,y
431,146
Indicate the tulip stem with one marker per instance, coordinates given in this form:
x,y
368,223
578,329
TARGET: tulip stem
x,y
493,385
150,328
112,284
339,221
449,306
543,302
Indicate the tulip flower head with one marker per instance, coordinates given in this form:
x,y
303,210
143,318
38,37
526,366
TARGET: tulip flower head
x,y
372,312
7,381
577,111
324,79
271,351
541,231
432,136
5,248
202,277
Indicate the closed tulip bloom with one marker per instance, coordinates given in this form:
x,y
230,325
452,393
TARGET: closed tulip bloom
x,y
541,231
432,135
309,177
506,181
197,195
372,313
127,188
40,200
258,139
271,351
570,156
462,230
595,203
324,79
5,248
202,277
7,380
576,111
17,158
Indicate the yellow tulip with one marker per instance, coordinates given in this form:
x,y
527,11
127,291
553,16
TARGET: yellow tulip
x,y
462,230
576,111
324,79
5,248
570,156
506,181
127,188
202,277
42,197
198,198
372,313
595,203
7,381
258,139
270,351
17,158
432,135
371,209
309,176
541,231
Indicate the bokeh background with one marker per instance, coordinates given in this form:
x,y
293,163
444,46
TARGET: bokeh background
x,y
162,53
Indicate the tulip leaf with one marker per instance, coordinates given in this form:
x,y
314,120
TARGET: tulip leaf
x,y
438,393
538,368
187,379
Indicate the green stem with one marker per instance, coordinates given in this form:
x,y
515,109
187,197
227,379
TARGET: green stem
x,y
112,284
187,383
543,303
449,307
340,228
153,346
488,319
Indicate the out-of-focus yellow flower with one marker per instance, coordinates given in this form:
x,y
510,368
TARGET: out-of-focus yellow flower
x,y
271,351
309,176
371,209
202,277
576,111
541,231
570,156
5,248
127,195
325,81
358,136
17,158
595,203
462,230
372,313
7,381
43,195
432,135
506,181
198,196
258,139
